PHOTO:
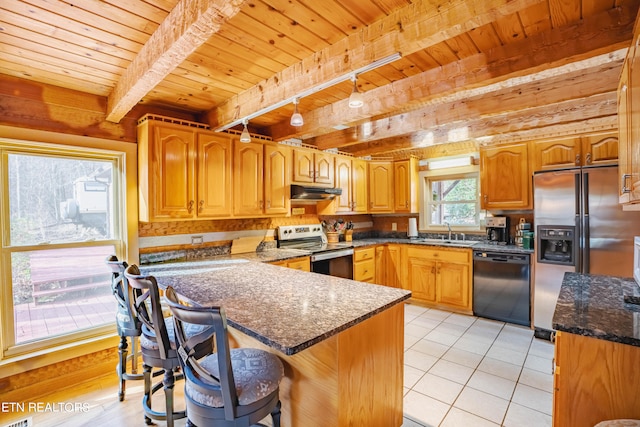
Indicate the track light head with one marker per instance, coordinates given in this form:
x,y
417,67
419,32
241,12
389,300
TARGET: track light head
x,y
355,99
244,136
296,117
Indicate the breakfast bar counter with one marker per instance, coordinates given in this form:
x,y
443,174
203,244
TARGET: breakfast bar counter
x,y
341,341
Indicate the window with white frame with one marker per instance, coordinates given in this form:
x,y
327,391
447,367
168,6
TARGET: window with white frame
x,y
450,197
61,216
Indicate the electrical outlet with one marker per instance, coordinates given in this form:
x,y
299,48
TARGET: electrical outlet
x,y
394,226
197,240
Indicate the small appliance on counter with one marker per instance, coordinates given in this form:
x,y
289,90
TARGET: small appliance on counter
x,y
523,232
412,232
497,230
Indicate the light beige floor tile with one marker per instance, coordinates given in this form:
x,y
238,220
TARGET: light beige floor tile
x,y
507,355
436,314
416,330
410,341
408,422
542,348
538,363
460,319
443,338
425,322
430,347
492,384
537,379
451,371
450,328
500,368
482,404
459,418
533,398
415,310
424,409
462,357
419,360
473,345
405,390
439,388
412,375
488,324
519,416
513,343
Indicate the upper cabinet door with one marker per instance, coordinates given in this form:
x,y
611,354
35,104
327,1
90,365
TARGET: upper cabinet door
x,y
324,164
277,181
214,176
601,149
380,186
405,178
344,202
303,166
557,154
172,177
359,185
505,179
248,192
624,134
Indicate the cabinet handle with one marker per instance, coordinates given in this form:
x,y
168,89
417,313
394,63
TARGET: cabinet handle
x,y
268,204
577,159
406,204
201,208
588,158
261,204
486,198
433,270
625,189
190,207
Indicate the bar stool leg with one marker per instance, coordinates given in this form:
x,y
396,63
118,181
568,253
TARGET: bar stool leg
x,y
122,367
168,382
146,400
134,355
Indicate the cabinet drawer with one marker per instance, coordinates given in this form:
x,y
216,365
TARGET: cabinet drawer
x,y
441,254
364,271
364,254
303,264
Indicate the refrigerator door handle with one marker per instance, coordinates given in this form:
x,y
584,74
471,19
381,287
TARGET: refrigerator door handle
x,y
577,237
586,238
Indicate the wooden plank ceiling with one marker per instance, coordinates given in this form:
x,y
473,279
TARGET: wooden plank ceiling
x,y
482,71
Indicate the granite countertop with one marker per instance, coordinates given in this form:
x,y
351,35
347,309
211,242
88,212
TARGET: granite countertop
x,y
593,305
286,309
481,245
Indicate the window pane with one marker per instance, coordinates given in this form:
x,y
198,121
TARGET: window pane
x,y
59,291
454,201
454,190
57,199
454,214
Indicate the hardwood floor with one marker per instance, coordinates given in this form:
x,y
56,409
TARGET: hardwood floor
x,y
90,404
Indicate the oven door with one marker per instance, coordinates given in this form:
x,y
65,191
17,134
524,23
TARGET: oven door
x,y
338,263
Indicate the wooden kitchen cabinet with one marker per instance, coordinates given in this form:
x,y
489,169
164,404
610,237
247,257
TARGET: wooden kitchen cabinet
x,y
584,151
312,167
351,177
248,190
277,179
184,172
381,186
629,125
364,267
594,380
438,276
388,265
302,263
505,177
405,179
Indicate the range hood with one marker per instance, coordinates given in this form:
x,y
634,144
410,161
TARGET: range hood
x,y
302,193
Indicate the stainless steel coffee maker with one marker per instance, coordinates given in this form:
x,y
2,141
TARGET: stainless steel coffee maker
x,y
497,230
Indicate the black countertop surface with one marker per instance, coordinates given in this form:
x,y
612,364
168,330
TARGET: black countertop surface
x,y
594,306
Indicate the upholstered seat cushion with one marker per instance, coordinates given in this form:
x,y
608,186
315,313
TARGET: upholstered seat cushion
x,y
257,374
148,338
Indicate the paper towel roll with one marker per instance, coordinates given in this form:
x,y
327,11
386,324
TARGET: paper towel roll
x,y
413,228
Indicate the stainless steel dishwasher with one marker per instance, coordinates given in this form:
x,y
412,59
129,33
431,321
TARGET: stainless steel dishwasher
x,y
502,286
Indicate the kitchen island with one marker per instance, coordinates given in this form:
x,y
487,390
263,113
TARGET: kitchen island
x,y
597,360
341,341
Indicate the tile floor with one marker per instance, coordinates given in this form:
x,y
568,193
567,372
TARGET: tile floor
x,y
468,371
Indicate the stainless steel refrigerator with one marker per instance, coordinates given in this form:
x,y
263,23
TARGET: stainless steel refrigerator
x,y
579,227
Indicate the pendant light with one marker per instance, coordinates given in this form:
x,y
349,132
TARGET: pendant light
x,y
296,117
355,99
244,136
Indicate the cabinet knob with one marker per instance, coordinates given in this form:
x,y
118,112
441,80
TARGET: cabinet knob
x,y
406,204
588,158
201,208
486,198
268,204
261,203
577,159
190,207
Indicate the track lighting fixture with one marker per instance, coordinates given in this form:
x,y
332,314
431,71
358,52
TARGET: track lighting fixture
x,y
296,117
244,136
355,99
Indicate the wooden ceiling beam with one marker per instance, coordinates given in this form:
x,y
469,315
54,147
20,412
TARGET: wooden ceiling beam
x,y
407,30
188,25
585,78
594,113
602,33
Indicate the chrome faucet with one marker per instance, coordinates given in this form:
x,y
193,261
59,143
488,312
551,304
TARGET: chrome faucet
x,y
449,227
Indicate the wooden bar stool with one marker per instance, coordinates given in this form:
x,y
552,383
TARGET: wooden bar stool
x,y
158,344
231,387
127,324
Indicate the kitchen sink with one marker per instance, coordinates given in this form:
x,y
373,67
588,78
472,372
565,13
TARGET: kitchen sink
x,y
457,243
